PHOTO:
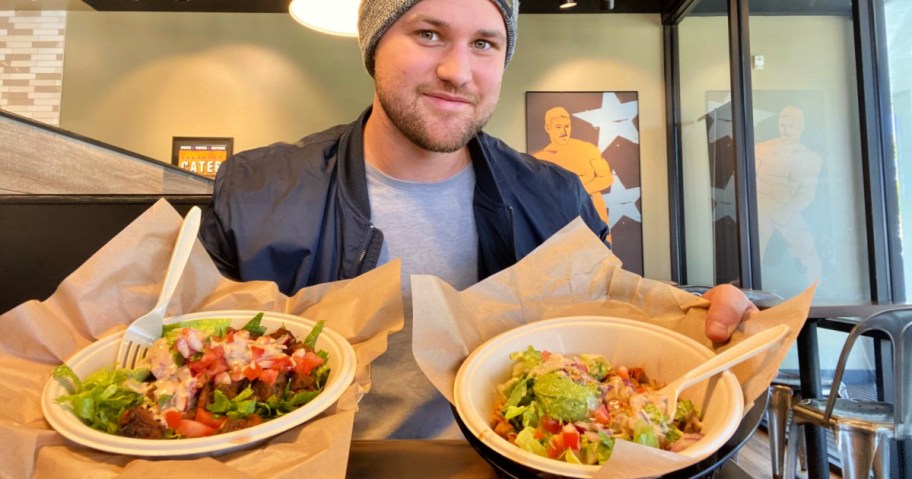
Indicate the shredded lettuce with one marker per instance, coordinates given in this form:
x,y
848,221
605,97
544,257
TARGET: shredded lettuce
x,y
604,448
526,360
99,399
656,415
684,410
571,458
512,411
532,415
644,433
209,327
526,440
310,342
239,407
254,325
520,394
64,372
597,364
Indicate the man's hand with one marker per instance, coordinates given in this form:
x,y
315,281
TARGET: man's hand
x,y
728,307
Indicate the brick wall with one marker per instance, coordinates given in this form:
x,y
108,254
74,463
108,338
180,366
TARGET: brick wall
x,y
31,63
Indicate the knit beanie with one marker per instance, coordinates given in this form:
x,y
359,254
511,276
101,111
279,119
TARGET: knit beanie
x,y
376,16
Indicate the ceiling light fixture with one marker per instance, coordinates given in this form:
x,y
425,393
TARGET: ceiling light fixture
x,y
567,3
338,17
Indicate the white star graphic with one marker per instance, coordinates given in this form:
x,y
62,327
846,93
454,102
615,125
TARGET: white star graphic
x,y
612,120
621,202
724,201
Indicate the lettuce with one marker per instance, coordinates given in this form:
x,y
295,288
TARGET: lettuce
x,y
310,342
238,408
209,327
253,326
527,360
644,433
526,440
100,398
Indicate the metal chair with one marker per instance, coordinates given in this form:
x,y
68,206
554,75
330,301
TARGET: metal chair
x,y
777,420
864,430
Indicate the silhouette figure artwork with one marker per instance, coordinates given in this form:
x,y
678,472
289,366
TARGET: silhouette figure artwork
x,y
580,157
787,176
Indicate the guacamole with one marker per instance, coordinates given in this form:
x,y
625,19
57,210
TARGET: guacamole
x,y
563,399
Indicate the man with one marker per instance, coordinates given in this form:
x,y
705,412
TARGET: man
x,y
580,157
414,177
787,174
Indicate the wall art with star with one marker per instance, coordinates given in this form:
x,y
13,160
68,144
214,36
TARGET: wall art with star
x,y
596,136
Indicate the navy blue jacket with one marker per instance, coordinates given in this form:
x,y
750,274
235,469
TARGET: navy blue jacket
x,y
298,214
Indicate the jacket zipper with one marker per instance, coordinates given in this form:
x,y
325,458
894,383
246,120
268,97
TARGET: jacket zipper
x,y
363,255
513,231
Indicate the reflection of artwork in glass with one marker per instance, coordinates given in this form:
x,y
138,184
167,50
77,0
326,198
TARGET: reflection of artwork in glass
x,y
595,135
721,171
787,175
788,136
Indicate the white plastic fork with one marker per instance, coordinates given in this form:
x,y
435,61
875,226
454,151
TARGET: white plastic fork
x,y
736,354
140,335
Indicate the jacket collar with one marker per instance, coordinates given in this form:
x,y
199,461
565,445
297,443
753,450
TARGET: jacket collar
x,y
352,172
487,187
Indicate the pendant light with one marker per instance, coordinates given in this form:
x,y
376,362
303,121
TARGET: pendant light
x,y
335,17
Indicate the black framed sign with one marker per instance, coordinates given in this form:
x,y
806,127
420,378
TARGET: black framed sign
x,y
200,155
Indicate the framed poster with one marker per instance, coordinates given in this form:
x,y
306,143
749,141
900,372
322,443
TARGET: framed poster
x,y
596,136
200,155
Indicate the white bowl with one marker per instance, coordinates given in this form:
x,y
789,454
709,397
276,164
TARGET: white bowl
x,y
662,353
102,353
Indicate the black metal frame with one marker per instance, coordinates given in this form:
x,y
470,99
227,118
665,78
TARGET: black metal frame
x,y
674,145
743,134
881,195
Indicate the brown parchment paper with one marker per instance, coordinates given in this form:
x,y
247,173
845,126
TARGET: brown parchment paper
x,y
574,273
120,283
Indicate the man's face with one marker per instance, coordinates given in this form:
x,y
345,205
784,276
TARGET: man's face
x,y
438,71
790,129
559,130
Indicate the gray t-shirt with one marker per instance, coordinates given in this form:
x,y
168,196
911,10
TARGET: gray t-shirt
x,y
431,227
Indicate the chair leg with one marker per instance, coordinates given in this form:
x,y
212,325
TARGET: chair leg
x,y
802,453
777,412
856,450
882,464
795,431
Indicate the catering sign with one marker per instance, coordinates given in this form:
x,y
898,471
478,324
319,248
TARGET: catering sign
x,y
202,156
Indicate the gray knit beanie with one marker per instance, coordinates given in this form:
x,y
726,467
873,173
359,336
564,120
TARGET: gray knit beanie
x,y
376,16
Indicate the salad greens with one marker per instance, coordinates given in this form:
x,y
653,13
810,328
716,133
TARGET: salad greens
x,y
202,377
99,399
573,408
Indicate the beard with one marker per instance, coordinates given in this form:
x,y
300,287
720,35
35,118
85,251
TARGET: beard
x,y
428,131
